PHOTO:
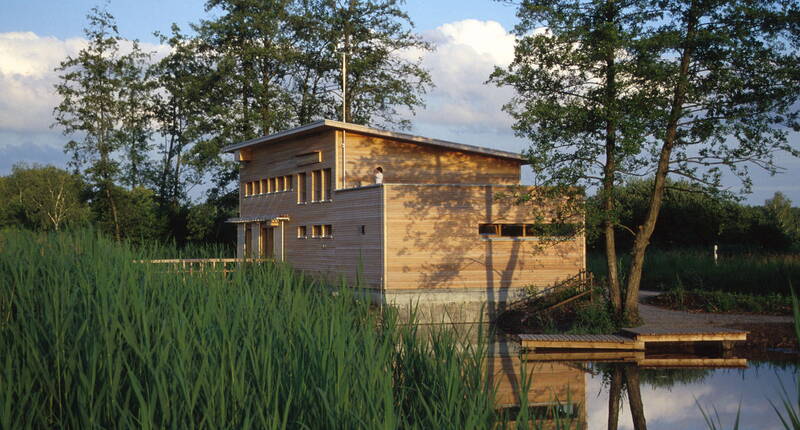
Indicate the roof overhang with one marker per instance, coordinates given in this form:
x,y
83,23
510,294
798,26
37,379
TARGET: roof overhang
x,y
326,124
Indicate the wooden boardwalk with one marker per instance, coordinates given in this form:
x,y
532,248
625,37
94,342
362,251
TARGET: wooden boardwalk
x,y
636,357
632,339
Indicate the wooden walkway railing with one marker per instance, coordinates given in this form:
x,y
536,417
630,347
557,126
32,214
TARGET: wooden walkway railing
x,y
580,285
202,265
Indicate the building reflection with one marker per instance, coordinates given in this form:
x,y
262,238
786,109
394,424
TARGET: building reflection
x,y
549,391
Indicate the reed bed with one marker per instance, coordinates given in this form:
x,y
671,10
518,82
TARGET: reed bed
x,y
696,270
90,339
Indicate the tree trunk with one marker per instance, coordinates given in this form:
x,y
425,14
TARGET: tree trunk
x,y
117,230
635,397
609,170
614,395
645,231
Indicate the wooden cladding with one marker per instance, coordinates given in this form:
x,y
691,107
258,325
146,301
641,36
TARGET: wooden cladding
x,y
245,155
528,230
308,158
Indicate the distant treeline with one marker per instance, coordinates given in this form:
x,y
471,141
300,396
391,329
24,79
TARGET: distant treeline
x,y
692,218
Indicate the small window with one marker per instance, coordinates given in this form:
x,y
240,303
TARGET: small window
x,y
327,184
512,230
363,229
327,230
488,229
248,189
281,183
316,186
264,186
256,187
288,183
272,188
316,231
302,233
529,230
301,188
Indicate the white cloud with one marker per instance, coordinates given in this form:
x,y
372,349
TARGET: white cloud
x,y
27,77
466,54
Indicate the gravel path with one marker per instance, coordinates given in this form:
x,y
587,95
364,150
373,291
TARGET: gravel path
x,y
653,315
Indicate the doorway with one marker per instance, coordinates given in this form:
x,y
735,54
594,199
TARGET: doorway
x,y
267,242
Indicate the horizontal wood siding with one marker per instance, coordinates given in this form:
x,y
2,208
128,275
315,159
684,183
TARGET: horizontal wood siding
x,y
280,159
405,162
432,241
348,253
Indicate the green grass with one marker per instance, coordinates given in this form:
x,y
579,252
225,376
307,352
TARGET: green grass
x,y
724,302
696,271
89,339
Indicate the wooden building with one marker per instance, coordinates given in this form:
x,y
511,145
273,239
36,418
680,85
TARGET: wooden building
x,y
309,197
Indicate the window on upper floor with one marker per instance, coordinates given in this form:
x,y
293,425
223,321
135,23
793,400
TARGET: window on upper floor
x,y
316,186
288,182
264,186
301,188
327,184
302,232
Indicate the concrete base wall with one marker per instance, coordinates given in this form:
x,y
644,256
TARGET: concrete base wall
x,y
448,305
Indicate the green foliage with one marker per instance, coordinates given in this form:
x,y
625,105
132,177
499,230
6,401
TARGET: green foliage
x,y
692,218
102,94
695,270
724,301
610,90
594,318
92,339
42,198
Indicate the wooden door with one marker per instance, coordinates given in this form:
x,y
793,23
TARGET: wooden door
x,y
267,242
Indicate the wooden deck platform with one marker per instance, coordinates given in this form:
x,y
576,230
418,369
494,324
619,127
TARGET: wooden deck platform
x,y
637,357
579,341
632,339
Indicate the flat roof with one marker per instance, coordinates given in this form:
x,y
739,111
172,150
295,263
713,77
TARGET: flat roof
x,y
326,124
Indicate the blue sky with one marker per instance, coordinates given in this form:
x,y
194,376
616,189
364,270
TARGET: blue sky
x,y
471,38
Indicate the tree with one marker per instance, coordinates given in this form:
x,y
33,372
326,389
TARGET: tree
x,y
100,93
780,209
179,110
43,198
276,64
608,90
373,34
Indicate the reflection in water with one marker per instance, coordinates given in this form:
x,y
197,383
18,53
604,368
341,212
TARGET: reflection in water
x,y
581,394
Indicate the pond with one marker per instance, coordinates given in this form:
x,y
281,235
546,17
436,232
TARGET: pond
x,y
582,393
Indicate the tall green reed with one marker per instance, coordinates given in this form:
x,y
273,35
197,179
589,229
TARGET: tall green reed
x,y
90,339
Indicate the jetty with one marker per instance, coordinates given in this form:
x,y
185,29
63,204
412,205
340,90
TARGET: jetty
x,y
632,339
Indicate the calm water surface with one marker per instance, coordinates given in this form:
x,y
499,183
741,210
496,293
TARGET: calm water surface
x,y
669,396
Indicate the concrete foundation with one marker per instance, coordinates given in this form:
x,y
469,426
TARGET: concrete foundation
x,y
448,306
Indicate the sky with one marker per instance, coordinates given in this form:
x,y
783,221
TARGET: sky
x,y
471,38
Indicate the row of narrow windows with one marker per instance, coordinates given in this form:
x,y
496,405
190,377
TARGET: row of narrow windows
x,y
528,230
269,186
317,231
321,186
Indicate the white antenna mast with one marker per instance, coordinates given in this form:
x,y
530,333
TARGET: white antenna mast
x,y
344,87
